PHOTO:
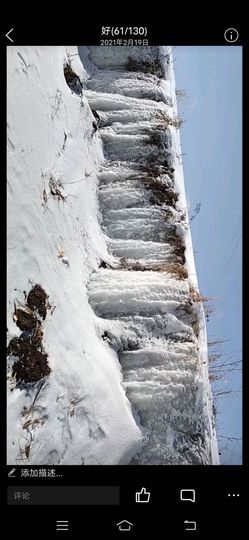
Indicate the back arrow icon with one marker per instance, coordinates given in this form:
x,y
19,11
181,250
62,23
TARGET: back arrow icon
x,y
7,35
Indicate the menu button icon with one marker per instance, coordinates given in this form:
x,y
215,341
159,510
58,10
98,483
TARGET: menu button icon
x,y
62,525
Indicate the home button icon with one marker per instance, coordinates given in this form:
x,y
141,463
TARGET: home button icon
x,y
124,525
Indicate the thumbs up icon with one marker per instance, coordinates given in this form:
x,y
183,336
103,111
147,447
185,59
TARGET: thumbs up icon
x,y
142,496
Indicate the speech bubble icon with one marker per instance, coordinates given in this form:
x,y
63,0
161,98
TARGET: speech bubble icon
x,y
187,495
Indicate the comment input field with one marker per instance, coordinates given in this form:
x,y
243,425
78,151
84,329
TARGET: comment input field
x,y
63,495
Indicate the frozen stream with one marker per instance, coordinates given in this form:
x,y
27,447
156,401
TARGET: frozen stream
x,y
141,294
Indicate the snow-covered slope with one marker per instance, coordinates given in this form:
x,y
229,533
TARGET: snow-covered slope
x,y
97,217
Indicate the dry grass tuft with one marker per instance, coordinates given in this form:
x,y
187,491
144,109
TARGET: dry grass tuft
x,y
31,361
176,269
153,169
159,137
213,377
161,193
180,93
165,121
197,297
55,187
178,245
196,327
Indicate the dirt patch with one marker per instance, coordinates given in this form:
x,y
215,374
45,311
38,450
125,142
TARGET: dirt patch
x,y
18,347
22,345
32,367
25,320
31,364
37,299
14,347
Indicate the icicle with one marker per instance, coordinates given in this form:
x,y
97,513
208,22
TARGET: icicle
x,y
142,299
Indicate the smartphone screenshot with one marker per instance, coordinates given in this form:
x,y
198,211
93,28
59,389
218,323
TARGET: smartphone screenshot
x,y
124,356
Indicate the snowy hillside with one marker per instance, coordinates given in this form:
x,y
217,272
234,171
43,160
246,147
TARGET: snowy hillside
x,y
107,352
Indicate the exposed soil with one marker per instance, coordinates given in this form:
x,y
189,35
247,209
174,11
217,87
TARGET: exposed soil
x,y
32,361
32,367
37,299
25,320
22,345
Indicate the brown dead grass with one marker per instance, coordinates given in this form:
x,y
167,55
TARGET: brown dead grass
x,y
153,169
213,377
176,269
25,319
178,245
159,137
197,297
165,121
160,192
153,67
32,367
55,187
196,327
31,363
37,300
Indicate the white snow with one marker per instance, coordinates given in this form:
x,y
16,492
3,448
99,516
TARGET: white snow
x,y
82,414
128,382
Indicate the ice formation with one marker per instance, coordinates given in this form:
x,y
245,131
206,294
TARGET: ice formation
x,y
97,216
